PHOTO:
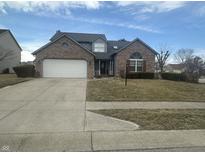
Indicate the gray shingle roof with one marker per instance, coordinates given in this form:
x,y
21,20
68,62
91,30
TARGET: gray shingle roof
x,y
86,39
80,37
119,44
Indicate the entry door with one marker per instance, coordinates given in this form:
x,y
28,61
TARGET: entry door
x,y
103,67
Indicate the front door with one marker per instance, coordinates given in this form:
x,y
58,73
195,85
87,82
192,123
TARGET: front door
x,y
103,67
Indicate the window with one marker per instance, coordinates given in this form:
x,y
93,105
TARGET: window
x,y
65,45
136,65
99,47
115,47
136,55
136,62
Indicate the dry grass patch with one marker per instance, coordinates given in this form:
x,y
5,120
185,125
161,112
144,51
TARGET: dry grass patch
x,y
144,90
161,119
11,79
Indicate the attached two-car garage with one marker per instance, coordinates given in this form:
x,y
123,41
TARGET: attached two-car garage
x,y
64,68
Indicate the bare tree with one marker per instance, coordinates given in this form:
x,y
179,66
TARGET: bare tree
x,y
194,68
183,55
162,58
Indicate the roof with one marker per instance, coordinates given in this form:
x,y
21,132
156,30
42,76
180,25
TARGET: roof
x,y
176,66
79,37
85,40
3,30
120,44
46,45
143,43
7,30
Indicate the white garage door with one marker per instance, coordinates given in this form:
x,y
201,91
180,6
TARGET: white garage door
x,y
64,68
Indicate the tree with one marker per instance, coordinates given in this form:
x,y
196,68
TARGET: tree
x,y
183,55
162,58
194,68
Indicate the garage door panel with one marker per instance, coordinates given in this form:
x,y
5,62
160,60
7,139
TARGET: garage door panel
x,y
65,68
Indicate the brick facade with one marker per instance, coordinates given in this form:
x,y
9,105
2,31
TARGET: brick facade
x,y
124,54
57,51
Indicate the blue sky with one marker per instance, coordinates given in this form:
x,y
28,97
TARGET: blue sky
x,y
174,24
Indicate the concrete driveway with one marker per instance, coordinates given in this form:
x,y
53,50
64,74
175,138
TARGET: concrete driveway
x,y
43,105
50,115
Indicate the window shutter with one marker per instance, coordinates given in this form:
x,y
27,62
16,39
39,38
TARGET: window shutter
x,y
144,66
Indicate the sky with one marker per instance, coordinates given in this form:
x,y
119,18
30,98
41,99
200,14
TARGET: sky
x,y
176,24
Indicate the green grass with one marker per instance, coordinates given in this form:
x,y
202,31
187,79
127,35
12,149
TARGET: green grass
x,y
11,79
161,119
144,90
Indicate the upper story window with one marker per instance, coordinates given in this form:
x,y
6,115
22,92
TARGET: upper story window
x,y
99,47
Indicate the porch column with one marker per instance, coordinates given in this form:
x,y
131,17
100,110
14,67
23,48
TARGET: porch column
x,y
110,70
99,67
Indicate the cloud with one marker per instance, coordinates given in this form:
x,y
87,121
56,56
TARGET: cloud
x,y
28,47
3,27
64,10
151,7
200,11
26,56
33,45
45,7
200,52
124,24
2,9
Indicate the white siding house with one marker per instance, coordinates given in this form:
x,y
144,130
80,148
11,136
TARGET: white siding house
x,y
10,51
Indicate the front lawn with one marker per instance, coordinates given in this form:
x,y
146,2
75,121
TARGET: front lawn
x,y
10,79
144,90
160,119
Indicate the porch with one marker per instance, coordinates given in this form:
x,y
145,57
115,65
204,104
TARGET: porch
x,y
104,67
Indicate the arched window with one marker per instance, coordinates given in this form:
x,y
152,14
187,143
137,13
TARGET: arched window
x,y
136,55
136,62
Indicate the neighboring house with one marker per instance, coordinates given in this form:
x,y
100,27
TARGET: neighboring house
x,y
84,55
175,68
27,63
10,51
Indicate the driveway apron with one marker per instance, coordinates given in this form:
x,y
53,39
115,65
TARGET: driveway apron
x,y
43,105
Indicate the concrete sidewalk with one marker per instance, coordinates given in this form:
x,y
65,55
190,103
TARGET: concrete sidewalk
x,y
103,140
97,122
144,105
147,139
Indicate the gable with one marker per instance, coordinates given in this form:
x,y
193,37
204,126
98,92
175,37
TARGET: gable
x,y
59,46
8,42
140,43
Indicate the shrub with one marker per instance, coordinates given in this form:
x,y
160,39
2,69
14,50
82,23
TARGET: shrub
x,y
174,76
25,70
140,75
5,71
